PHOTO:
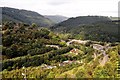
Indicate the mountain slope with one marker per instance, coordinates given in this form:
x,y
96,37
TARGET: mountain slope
x,y
56,18
32,52
114,18
17,15
83,20
89,27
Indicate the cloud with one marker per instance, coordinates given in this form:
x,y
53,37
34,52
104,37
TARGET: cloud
x,y
58,2
109,11
68,8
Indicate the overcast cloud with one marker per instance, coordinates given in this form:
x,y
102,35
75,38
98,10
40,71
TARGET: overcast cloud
x,y
69,8
58,2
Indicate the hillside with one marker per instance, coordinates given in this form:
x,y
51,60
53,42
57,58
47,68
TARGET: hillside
x,y
32,52
83,20
29,17
114,18
56,18
89,27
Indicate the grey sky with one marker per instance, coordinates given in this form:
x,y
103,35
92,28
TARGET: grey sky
x,y
69,8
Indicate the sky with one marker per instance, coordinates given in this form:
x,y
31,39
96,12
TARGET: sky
x,y
68,8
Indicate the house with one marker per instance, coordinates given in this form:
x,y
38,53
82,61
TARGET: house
x,y
44,66
61,64
70,62
78,62
76,51
67,62
50,67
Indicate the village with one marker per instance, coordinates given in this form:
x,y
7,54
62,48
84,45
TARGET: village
x,y
64,63
75,51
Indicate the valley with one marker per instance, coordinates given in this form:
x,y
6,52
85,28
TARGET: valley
x,y
34,46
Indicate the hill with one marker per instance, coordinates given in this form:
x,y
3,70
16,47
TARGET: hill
x,y
83,20
33,52
56,18
29,17
114,18
98,28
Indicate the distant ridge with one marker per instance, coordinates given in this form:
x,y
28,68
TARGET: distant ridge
x,y
98,28
83,20
20,15
56,18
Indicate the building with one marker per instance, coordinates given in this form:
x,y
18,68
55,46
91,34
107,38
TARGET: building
x,y
75,51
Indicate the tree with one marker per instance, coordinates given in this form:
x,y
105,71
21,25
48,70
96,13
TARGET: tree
x,y
34,25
